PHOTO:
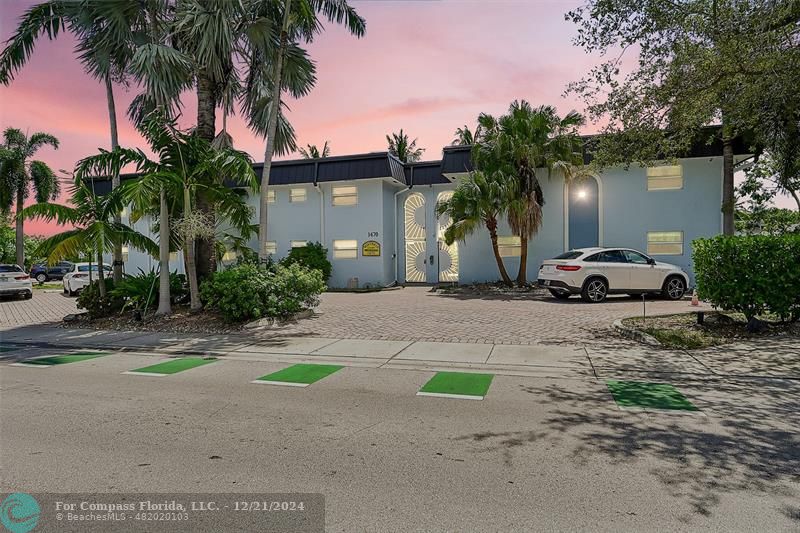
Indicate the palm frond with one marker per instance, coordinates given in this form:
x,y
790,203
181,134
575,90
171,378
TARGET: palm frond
x,y
45,182
46,18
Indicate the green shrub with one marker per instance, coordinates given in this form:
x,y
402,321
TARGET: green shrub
x,y
753,274
249,292
142,290
313,255
89,299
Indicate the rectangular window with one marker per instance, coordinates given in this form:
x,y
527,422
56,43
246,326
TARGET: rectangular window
x,y
297,244
665,178
125,251
665,243
229,256
509,246
297,195
270,247
270,196
345,249
345,195
173,257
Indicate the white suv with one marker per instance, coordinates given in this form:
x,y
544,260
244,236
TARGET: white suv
x,y
594,273
79,276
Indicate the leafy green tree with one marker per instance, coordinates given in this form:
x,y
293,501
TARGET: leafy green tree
x,y
187,166
700,62
313,152
95,228
478,200
403,148
516,147
105,31
19,173
465,136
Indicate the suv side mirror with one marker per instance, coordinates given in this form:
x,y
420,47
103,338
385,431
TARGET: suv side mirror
x,y
651,261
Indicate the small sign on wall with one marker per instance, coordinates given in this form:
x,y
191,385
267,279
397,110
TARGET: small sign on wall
x,y
371,249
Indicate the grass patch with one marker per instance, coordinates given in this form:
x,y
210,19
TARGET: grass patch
x,y
649,395
175,365
681,331
64,359
458,383
304,374
48,285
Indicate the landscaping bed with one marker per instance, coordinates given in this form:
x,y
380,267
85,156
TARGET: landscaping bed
x,y
180,321
683,331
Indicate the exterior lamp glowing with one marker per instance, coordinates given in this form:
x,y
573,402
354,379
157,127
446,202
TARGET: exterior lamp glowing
x,y
582,194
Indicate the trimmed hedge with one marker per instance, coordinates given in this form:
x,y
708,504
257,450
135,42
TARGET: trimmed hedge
x,y
752,274
249,292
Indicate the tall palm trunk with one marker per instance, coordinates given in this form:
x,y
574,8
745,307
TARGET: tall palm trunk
x,y
491,225
522,275
272,127
112,121
728,200
164,307
101,278
188,257
206,129
20,236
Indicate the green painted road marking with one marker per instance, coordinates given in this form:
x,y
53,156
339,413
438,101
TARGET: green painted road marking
x,y
301,375
4,349
462,385
61,359
644,395
173,366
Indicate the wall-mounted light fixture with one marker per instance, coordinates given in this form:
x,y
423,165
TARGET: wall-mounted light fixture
x,y
582,194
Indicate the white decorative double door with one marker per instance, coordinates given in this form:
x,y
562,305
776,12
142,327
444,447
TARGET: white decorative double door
x,y
421,266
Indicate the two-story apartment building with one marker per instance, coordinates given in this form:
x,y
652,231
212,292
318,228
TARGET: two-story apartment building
x,y
376,216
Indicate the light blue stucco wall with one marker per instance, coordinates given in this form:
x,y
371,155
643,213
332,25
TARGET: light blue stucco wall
x,y
630,210
627,211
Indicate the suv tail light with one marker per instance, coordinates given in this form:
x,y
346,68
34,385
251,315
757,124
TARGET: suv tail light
x,y
22,277
568,268
79,275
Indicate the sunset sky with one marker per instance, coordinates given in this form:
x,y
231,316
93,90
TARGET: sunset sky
x,y
427,67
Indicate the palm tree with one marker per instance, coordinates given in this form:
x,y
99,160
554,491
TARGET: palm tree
x,y
105,34
187,166
465,137
403,149
478,200
312,152
305,27
95,228
517,145
19,173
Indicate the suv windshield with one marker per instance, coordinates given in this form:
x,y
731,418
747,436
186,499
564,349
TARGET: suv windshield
x,y
85,268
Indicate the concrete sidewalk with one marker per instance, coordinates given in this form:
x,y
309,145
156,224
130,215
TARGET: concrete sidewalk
x,y
768,358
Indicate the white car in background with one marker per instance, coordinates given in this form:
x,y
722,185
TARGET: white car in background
x,y
594,273
15,281
78,277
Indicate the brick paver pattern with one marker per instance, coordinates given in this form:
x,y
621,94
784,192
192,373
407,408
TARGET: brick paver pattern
x,y
419,314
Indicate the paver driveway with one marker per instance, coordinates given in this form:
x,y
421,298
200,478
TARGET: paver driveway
x,y
420,314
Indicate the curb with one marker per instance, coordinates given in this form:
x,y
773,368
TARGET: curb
x,y
635,334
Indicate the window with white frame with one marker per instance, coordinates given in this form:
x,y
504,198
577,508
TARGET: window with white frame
x,y
664,178
509,246
345,249
297,195
665,243
125,251
270,196
345,195
270,247
297,244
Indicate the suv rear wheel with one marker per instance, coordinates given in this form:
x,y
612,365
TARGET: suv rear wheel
x,y
41,277
594,290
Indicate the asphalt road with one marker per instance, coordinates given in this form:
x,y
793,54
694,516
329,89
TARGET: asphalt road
x,y
536,454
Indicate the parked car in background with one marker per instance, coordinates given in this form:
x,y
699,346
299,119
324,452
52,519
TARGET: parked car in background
x,y
14,281
78,277
43,272
594,273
